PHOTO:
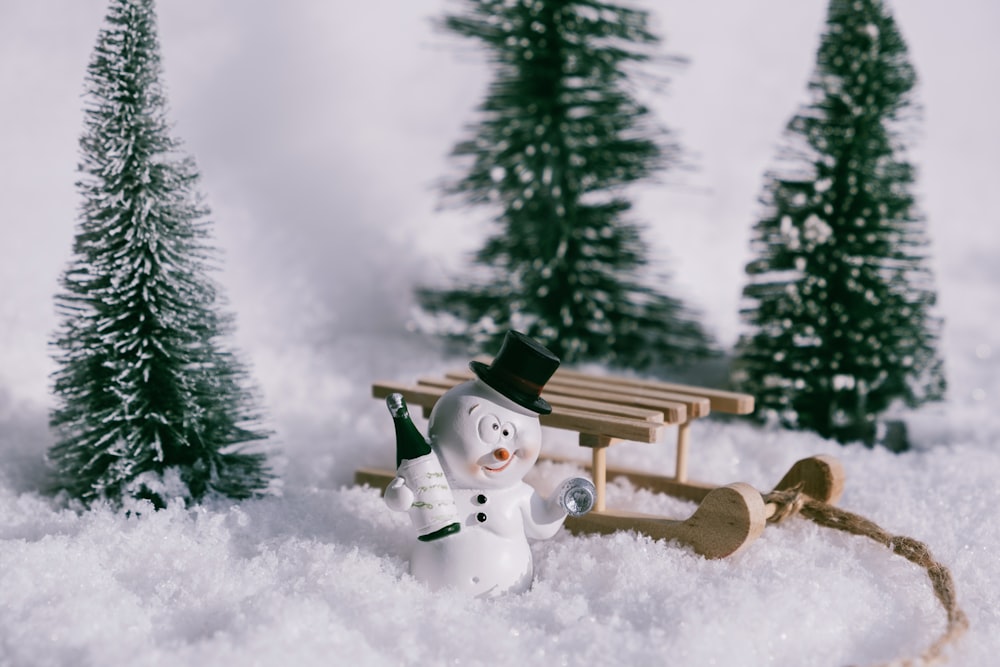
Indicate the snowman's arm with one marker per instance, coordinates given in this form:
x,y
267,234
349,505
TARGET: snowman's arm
x,y
398,496
542,516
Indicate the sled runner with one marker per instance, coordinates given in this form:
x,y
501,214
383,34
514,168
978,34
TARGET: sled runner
x,y
604,410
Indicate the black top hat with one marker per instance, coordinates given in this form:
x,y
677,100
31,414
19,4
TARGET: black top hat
x,y
519,371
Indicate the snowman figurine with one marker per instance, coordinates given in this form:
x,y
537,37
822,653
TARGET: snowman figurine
x,y
487,436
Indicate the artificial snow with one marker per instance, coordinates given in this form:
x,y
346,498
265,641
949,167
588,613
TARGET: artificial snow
x,y
318,575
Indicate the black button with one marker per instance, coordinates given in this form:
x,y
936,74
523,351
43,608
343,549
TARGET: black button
x,y
481,499
481,517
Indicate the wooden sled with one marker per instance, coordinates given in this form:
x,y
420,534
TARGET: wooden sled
x,y
605,410
728,518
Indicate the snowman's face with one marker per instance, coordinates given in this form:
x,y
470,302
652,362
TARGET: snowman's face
x,y
483,439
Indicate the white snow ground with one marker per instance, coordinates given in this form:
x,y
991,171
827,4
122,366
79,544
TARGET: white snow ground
x,y
318,576
335,185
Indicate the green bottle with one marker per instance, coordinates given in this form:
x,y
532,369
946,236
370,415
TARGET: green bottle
x,y
410,443
433,512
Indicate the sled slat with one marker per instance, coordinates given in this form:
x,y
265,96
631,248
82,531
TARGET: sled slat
x,y
617,427
635,396
722,401
682,410
650,410
571,419
696,406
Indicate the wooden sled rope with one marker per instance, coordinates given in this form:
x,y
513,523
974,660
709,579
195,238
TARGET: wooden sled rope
x,y
792,501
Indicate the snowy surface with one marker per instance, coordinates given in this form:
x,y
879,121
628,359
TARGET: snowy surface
x,y
318,576
335,186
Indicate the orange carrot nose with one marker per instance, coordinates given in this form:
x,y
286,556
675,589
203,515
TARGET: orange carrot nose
x,y
501,454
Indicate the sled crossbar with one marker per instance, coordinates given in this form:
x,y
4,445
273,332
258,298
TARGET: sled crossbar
x,y
601,409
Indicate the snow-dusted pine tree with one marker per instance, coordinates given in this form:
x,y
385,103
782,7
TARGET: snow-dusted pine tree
x,y
147,394
839,297
560,136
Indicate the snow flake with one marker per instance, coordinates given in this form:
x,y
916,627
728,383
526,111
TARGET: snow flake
x,y
842,382
816,231
789,232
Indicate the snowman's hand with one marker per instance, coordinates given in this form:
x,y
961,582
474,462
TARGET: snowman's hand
x,y
544,516
398,496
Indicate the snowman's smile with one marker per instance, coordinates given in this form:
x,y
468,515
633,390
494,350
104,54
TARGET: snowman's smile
x,y
499,468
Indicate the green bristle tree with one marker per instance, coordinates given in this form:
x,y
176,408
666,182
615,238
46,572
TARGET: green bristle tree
x,y
146,390
560,136
839,299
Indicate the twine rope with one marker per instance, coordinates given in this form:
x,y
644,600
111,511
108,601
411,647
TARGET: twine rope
x,y
790,502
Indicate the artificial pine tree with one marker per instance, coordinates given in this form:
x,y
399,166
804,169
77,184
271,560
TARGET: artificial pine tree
x,y
146,391
839,296
559,138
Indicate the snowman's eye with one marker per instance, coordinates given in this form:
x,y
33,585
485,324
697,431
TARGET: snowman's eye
x,y
507,431
489,429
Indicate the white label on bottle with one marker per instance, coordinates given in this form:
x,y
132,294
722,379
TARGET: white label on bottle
x,y
433,505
